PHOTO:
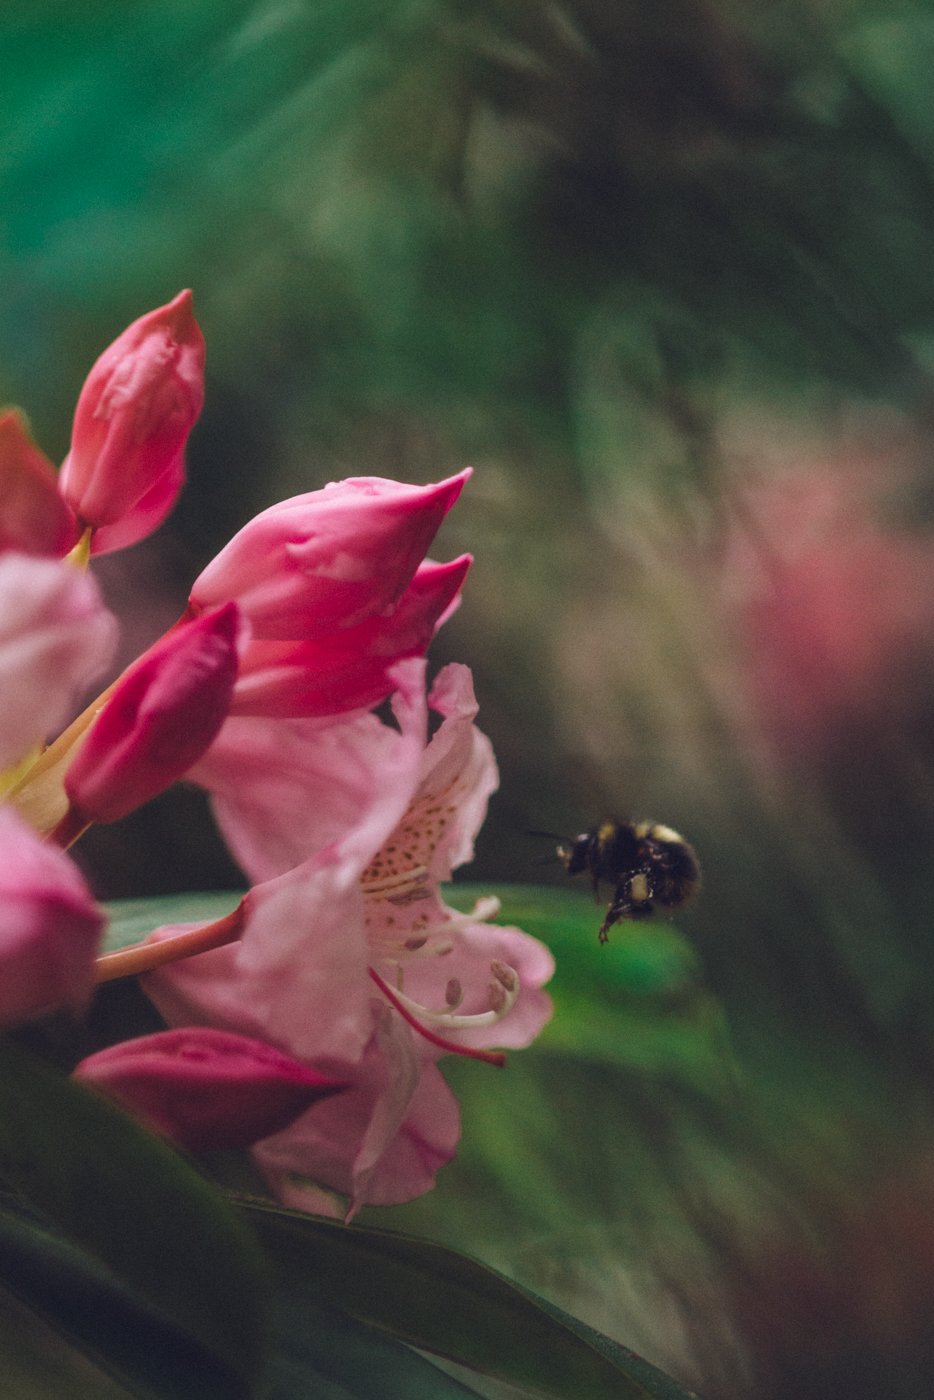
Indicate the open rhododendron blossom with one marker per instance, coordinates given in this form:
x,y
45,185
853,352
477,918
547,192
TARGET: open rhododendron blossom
x,y
309,1020
351,960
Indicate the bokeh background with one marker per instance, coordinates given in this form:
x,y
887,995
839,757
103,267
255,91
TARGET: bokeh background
x,y
663,273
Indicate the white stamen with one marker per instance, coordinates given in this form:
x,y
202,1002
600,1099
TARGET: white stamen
x,y
504,990
408,884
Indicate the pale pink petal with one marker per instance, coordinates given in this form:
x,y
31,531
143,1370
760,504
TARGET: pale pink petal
x,y
283,790
298,975
459,760
203,991
303,957
49,926
456,776
426,1141
399,1125
400,1077
56,636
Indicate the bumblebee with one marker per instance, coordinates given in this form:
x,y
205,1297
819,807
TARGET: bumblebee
x,y
649,865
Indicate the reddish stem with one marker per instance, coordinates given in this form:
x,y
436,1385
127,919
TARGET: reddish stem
x,y
143,957
490,1057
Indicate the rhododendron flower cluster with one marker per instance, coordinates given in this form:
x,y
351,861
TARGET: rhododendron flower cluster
x,y
308,1022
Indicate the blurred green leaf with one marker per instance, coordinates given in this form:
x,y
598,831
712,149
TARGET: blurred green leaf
x,y
39,1363
638,1000
95,1334
73,1330
130,920
138,1209
450,1305
322,1352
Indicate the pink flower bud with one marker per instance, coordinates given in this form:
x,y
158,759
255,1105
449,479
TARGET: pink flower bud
x,y
349,669
49,926
329,559
134,414
55,638
33,516
206,1089
160,718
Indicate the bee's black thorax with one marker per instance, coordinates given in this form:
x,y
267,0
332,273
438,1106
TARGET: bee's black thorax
x,y
648,864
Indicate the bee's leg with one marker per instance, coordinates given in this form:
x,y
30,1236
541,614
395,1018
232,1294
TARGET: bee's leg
x,y
630,901
619,909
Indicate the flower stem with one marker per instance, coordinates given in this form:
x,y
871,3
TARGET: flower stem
x,y
143,957
490,1057
81,553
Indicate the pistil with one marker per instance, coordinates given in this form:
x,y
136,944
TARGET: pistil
x,y
402,1004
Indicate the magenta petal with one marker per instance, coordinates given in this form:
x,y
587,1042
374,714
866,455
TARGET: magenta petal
x,y
351,668
33,516
162,715
146,515
329,559
206,1089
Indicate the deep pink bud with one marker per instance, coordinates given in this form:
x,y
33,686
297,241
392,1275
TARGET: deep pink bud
x,y
160,718
206,1089
349,669
329,559
135,411
49,926
33,517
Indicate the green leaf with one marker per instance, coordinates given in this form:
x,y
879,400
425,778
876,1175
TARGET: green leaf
x,y
39,1363
137,1208
131,920
96,1334
638,1001
327,1355
450,1305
